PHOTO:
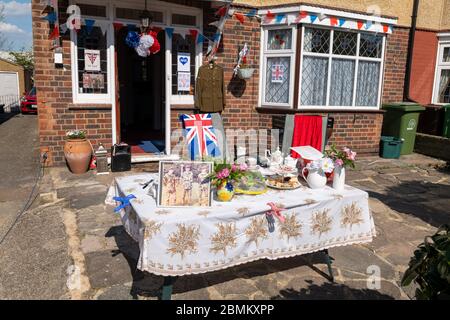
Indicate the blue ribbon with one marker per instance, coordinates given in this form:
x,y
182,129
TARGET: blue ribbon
x,y
125,202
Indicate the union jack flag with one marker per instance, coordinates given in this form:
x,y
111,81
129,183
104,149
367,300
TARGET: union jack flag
x,y
200,135
277,73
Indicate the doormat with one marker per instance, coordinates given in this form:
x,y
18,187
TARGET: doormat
x,y
153,146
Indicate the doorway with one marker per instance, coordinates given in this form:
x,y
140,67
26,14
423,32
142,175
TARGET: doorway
x,y
140,101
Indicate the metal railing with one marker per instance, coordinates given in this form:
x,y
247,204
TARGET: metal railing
x,y
10,103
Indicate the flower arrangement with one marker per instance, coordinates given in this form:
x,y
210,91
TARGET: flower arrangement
x,y
342,158
325,165
76,134
225,173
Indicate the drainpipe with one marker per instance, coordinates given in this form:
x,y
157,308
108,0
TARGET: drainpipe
x,y
412,35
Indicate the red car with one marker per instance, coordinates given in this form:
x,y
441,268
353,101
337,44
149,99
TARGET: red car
x,y
28,103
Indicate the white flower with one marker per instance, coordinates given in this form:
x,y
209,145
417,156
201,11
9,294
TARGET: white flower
x,y
326,164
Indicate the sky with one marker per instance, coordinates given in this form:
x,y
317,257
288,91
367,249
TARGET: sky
x,y
17,24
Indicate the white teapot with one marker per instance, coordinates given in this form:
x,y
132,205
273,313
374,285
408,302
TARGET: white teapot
x,y
291,162
274,158
316,178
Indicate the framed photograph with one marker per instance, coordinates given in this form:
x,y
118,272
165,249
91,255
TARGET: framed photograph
x,y
93,81
184,184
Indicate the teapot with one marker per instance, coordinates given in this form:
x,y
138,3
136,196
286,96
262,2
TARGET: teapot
x,y
291,162
316,178
274,158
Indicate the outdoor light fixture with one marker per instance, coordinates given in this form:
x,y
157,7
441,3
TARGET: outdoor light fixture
x,y
146,17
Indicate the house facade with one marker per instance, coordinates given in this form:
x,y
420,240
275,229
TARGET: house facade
x,y
337,58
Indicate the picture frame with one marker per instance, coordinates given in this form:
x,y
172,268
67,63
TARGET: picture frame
x,y
184,184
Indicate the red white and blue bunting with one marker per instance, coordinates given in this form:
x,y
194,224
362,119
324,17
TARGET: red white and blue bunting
x,y
270,18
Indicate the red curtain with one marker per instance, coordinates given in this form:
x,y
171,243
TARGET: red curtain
x,y
307,132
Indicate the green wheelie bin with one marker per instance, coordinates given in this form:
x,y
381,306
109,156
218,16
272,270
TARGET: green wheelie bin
x,y
400,121
446,129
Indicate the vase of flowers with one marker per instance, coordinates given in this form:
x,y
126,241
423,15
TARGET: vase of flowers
x,y
224,177
341,158
317,171
78,151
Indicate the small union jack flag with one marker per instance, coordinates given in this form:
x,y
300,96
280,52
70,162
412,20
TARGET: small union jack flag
x,y
277,73
200,135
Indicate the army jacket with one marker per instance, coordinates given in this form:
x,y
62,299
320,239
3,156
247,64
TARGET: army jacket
x,y
210,89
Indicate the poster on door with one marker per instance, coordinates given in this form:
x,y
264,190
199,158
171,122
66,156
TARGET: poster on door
x,y
91,60
184,81
277,73
184,62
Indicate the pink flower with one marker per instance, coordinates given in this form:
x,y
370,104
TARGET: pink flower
x,y
223,174
243,167
339,162
350,154
234,168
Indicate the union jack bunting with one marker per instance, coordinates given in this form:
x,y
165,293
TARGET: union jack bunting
x,y
200,135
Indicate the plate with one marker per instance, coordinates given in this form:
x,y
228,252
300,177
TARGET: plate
x,y
33,106
287,187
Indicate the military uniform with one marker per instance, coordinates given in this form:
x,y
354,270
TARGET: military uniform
x,y
210,89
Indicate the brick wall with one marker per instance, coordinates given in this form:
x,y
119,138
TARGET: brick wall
x,y
395,65
57,114
423,68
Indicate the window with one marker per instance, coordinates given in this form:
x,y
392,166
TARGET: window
x,y
279,60
183,48
442,87
338,69
92,10
90,61
135,14
185,20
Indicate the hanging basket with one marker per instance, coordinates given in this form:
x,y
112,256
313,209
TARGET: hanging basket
x,y
246,73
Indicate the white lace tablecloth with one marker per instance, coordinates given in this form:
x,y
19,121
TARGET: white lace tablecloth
x,y
182,241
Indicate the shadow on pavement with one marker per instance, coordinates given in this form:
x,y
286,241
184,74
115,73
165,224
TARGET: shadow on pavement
x,y
6,116
330,291
148,285
429,202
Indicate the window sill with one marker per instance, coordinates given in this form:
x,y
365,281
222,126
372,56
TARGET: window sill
x,y
90,106
283,110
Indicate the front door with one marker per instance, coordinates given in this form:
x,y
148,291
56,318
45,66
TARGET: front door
x,y
140,101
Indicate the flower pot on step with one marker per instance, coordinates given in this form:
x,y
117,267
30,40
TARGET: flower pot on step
x,y
78,153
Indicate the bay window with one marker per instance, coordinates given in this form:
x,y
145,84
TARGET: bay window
x,y
442,82
338,69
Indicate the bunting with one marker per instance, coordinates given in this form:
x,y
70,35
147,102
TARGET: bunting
x,y
89,25
55,33
169,32
333,21
117,25
240,17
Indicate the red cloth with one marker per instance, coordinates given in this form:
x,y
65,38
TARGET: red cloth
x,y
307,132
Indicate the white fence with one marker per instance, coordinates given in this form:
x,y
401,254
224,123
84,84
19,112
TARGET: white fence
x,y
10,103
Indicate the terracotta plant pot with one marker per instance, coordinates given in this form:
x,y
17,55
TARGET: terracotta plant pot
x,y
78,153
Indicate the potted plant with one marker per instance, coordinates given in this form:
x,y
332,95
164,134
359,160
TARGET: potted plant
x,y
429,268
224,177
341,158
244,71
78,151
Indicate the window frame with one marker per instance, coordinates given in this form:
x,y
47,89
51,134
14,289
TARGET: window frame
x,y
94,98
332,56
287,53
440,66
